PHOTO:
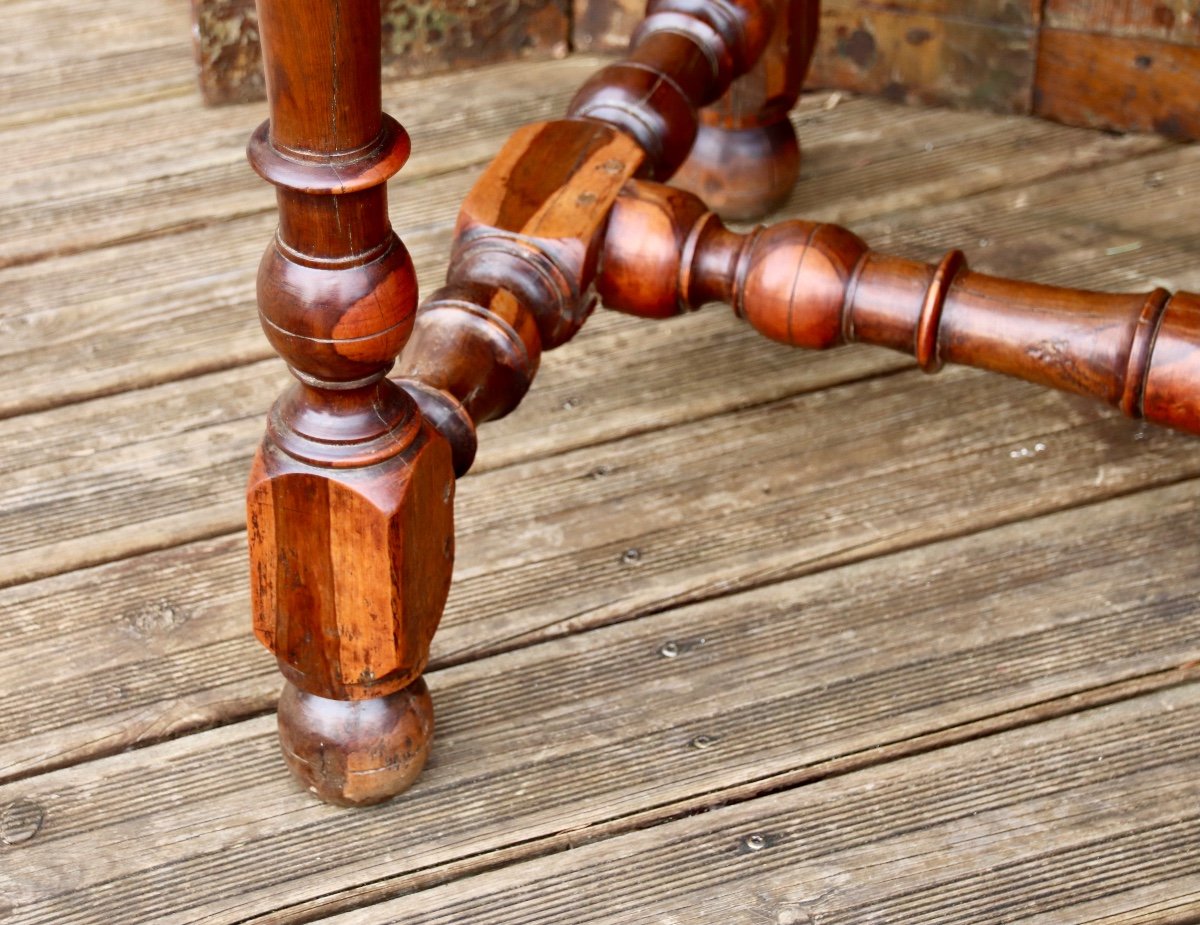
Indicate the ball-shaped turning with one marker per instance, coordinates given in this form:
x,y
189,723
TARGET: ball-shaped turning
x,y
356,752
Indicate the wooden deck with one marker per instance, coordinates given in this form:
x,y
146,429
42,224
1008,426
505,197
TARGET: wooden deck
x,y
738,634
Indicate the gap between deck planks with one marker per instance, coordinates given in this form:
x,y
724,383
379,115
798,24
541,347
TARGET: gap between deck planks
x,y
159,643
1020,826
125,629
549,741
108,447
171,186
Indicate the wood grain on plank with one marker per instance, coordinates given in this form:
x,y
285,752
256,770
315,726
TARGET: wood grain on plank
x,y
1088,818
1119,229
33,31
927,56
1161,214
1015,153
1011,12
155,468
540,742
155,645
110,184
1168,20
620,377
576,402
446,136
691,512
96,80
198,315
606,25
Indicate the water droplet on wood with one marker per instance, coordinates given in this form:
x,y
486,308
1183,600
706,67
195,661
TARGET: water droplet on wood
x,y
20,821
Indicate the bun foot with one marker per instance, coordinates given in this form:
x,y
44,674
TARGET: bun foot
x,y
356,752
742,174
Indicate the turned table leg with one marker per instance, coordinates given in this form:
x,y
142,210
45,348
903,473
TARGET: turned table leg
x,y
349,503
746,157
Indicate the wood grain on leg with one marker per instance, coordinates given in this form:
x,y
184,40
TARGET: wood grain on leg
x,y
746,157
349,504
817,285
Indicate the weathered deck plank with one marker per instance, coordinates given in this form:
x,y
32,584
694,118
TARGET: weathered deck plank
x,y
733,501
154,469
612,383
106,189
544,742
63,59
1125,227
149,470
1086,819
110,187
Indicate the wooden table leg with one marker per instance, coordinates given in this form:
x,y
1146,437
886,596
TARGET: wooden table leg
x,y
746,157
349,504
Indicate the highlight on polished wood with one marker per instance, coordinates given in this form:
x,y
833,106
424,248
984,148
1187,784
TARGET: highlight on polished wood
x,y
746,156
351,538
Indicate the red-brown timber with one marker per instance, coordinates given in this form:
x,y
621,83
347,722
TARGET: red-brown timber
x,y
349,503
818,285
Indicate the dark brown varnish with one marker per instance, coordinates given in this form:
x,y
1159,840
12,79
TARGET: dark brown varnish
x,y
818,285
528,237
349,504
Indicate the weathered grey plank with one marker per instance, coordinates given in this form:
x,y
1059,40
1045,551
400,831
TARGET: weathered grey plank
x,y
109,180
784,487
36,32
1163,211
858,663
1089,818
601,727
101,185
544,547
65,59
149,469
1124,227
948,163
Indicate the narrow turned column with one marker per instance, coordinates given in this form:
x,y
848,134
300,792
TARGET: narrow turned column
x,y
349,502
746,157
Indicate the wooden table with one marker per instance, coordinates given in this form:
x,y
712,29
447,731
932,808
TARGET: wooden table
x,y
892,648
